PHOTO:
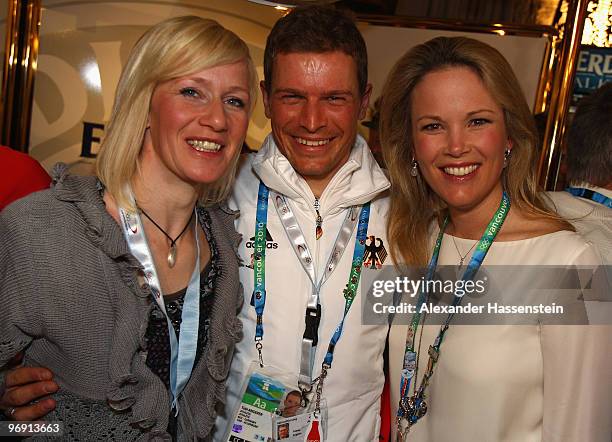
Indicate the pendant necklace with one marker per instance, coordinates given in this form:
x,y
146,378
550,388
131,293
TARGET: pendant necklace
x,y
172,252
462,257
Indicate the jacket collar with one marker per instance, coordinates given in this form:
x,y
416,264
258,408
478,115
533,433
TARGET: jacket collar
x,y
358,181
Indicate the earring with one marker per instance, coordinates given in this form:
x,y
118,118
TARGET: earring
x,y
414,171
507,154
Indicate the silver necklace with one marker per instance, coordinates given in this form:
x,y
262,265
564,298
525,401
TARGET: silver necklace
x,y
462,258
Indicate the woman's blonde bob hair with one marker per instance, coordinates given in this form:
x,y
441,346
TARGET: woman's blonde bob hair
x,y
413,204
173,48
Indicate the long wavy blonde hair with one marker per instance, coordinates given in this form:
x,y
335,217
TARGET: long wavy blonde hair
x,y
173,48
413,204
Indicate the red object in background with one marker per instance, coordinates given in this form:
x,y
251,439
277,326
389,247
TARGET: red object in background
x,y
385,412
20,175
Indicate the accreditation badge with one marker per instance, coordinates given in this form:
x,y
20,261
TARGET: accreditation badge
x,y
305,425
265,392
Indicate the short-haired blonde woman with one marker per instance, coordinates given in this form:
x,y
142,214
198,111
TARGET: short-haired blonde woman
x,y
125,285
459,142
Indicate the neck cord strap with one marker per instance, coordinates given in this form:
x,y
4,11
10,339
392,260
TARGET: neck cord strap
x,y
590,195
172,241
259,266
302,251
350,293
413,408
313,312
172,252
182,350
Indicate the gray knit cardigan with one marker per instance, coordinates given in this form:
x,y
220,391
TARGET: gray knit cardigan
x,y
70,296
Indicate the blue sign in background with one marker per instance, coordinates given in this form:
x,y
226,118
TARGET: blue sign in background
x,y
593,70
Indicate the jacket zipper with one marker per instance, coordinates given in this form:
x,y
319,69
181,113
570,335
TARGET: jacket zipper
x,y
318,220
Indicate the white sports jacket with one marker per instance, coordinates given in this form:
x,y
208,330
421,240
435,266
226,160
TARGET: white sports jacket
x,y
355,381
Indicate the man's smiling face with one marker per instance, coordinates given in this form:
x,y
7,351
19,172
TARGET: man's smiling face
x,y
314,105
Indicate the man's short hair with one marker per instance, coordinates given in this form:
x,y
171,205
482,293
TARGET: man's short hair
x,y
589,149
316,29
294,393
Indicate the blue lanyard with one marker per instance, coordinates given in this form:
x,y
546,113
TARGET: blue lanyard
x,y
590,195
350,292
259,267
259,261
413,408
182,350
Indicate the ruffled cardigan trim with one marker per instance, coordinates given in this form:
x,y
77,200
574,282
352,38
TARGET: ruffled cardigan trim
x,y
133,386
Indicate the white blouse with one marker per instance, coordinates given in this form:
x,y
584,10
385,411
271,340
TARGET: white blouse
x,y
514,382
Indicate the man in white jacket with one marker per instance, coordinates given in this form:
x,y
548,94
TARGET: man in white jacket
x,y
315,91
587,202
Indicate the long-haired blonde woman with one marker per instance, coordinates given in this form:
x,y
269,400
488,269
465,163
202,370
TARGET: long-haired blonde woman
x,y
125,285
459,142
